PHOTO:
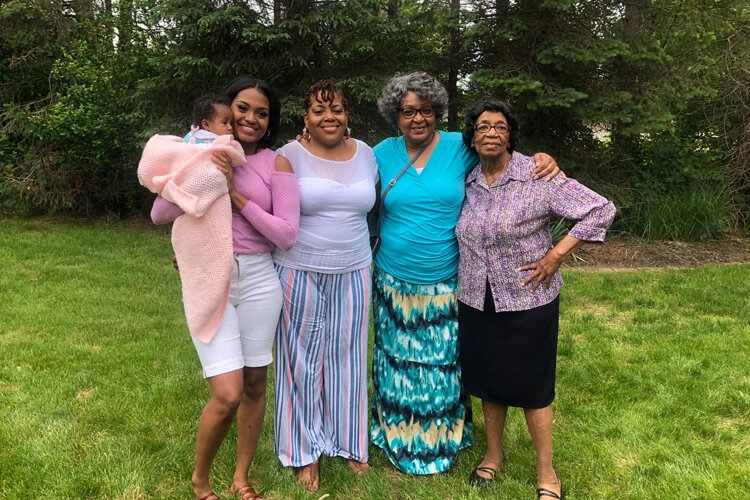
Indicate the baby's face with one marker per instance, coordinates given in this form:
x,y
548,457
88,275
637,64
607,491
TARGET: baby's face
x,y
222,121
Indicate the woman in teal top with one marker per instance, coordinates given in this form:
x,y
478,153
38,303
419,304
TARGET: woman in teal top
x,y
419,413
418,240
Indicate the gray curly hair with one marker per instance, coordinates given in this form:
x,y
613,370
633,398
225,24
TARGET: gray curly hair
x,y
425,86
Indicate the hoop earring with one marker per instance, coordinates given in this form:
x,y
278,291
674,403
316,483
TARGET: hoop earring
x,y
306,134
348,133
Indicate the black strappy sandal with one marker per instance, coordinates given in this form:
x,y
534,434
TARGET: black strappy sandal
x,y
544,492
479,481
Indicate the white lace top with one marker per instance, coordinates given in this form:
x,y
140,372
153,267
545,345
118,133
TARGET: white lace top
x,y
335,197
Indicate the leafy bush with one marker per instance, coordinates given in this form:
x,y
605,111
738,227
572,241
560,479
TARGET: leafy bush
x,y
697,213
676,190
77,151
558,228
667,161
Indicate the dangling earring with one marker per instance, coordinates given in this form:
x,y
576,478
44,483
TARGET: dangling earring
x,y
348,133
306,133
268,133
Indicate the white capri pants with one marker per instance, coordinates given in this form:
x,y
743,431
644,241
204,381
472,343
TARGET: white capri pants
x,y
245,336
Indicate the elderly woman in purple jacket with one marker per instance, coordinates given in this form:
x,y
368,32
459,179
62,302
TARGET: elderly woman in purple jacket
x,y
509,284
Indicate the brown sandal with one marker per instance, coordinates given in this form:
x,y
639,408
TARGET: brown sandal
x,y
210,496
246,493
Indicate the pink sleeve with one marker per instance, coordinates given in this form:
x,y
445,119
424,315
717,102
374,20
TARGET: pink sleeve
x,y
164,212
280,227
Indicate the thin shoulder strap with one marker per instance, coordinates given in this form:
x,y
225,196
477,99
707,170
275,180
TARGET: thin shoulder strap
x,y
381,199
403,171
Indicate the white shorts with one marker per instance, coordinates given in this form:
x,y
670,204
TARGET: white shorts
x,y
245,336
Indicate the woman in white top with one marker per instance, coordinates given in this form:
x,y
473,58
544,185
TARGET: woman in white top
x,y
321,341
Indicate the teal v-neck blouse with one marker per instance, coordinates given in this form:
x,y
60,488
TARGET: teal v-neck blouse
x,y
421,211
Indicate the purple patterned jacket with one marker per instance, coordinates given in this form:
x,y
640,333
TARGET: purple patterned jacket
x,y
506,225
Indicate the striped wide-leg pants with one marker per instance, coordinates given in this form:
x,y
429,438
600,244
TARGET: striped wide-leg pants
x,y
321,363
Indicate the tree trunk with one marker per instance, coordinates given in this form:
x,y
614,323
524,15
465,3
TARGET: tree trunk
x,y
502,9
625,144
277,11
392,9
454,64
125,24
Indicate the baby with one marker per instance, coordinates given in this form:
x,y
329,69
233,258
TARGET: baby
x,y
212,117
182,172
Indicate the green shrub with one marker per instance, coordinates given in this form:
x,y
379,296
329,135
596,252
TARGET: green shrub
x,y
675,189
78,150
697,213
558,228
668,161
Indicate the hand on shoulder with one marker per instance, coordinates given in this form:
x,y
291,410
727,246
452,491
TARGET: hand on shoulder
x,y
546,167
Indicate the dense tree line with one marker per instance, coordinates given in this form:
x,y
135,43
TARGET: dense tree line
x,y
648,100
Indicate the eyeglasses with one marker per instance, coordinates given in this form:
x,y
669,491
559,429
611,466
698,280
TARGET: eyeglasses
x,y
410,113
500,128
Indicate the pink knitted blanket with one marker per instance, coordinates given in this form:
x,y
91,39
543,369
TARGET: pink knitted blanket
x,y
202,236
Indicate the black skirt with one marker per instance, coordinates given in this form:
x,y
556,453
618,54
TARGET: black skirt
x,y
509,358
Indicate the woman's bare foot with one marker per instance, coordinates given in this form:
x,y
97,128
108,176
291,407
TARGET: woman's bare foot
x,y
309,476
357,467
245,492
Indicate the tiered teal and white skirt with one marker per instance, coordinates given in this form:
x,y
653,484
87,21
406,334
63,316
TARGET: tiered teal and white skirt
x,y
419,413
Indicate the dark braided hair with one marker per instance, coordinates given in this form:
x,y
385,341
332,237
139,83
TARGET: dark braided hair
x,y
324,91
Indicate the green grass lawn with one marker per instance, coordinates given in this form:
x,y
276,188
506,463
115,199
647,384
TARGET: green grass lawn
x,y
100,388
